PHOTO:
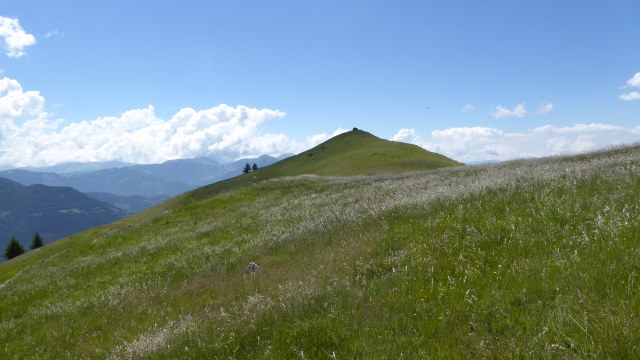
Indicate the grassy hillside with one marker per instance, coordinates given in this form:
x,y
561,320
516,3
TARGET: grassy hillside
x,y
535,258
359,153
352,153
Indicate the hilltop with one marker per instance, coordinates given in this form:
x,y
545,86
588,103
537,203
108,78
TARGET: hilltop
x,y
535,258
358,152
355,152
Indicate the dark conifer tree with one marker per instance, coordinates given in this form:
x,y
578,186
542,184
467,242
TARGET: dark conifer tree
x,y
13,249
37,241
247,168
254,167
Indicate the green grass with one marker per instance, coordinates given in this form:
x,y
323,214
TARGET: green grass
x,y
527,259
360,153
352,153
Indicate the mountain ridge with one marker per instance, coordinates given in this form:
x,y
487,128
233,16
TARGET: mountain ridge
x,y
54,212
151,180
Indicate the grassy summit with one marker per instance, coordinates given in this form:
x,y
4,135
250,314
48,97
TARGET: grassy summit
x,y
359,153
526,259
355,152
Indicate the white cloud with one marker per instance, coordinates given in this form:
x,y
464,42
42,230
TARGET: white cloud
x,y
54,33
468,108
30,137
469,144
634,95
138,136
545,108
15,103
634,81
501,112
407,135
14,37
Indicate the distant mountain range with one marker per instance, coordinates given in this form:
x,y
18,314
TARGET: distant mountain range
x,y
119,181
78,167
54,212
150,181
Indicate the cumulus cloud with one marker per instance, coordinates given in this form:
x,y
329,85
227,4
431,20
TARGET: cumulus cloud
x,y
30,137
15,39
501,112
468,108
545,108
139,136
15,103
634,95
633,82
408,135
470,144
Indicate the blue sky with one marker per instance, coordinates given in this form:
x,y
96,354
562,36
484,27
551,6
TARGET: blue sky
x,y
144,81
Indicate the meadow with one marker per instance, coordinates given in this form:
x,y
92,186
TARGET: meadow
x,y
525,259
